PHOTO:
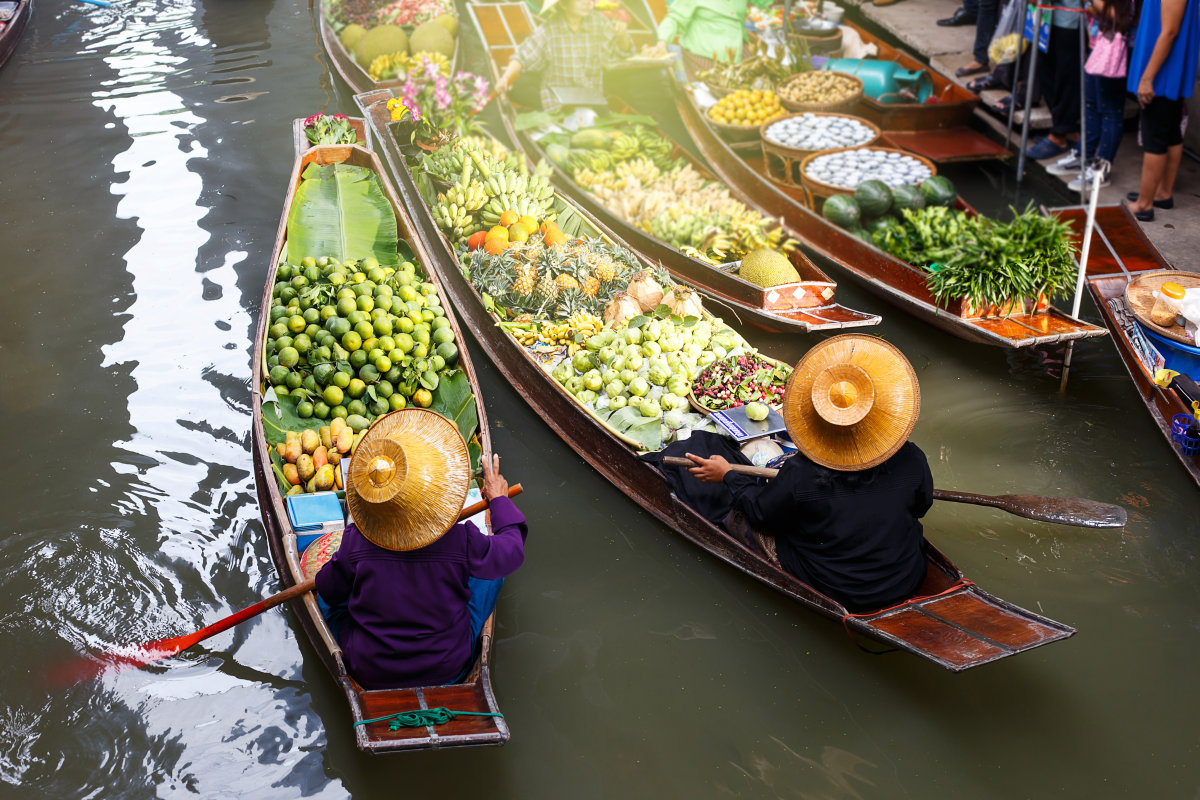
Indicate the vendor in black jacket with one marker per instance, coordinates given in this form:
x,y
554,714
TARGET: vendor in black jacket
x,y
844,510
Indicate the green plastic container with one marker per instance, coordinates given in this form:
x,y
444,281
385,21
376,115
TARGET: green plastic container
x,y
885,80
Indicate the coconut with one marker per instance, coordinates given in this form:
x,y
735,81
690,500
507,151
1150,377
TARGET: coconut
x,y
645,290
684,302
621,308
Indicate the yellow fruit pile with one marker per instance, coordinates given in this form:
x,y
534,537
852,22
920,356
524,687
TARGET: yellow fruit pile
x,y
310,458
749,107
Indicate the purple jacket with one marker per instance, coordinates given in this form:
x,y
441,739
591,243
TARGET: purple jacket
x,y
408,623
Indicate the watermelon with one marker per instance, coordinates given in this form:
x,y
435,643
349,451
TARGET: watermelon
x,y
842,210
874,198
907,196
878,223
939,191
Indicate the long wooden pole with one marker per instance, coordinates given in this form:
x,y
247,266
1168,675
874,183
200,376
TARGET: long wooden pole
x,y
1088,227
1062,510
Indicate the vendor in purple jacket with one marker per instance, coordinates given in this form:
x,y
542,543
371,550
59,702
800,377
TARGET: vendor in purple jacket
x,y
417,585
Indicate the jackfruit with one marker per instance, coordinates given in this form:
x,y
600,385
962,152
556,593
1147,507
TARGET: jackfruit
x,y
350,35
768,268
381,41
431,37
449,22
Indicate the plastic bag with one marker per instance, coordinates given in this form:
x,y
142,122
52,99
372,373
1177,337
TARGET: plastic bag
x,y
1007,42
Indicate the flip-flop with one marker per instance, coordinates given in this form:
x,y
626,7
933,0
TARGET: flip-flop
x,y
983,84
964,71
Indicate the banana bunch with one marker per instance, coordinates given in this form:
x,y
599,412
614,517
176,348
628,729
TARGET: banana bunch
x,y
523,193
446,163
625,147
653,146
471,198
456,221
585,322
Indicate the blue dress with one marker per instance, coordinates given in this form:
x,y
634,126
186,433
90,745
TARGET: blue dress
x,y
1177,75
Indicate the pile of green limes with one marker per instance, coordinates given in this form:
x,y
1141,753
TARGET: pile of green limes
x,y
353,337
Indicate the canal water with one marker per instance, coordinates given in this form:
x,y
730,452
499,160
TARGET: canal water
x,y
145,153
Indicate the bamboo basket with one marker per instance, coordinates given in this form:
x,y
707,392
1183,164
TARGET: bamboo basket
x,y
832,107
735,133
829,44
818,190
782,162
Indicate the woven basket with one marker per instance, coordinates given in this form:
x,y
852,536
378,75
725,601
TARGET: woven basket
x,y
833,107
735,133
777,156
829,44
818,190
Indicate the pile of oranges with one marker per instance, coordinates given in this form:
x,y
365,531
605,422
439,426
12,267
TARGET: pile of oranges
x,y
514,229
749,107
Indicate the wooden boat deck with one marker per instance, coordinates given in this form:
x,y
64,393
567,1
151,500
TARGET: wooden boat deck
x,y
475,693
501,26
953,623
14,28
1119,253
880,273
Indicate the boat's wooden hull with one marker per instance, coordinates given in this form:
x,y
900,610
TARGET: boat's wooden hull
x,y
475,693
878,272
957,625
354,75
1120,252
10,37
503,24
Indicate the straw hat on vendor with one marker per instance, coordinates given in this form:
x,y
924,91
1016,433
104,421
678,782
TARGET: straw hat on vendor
x,y
408,479
851,402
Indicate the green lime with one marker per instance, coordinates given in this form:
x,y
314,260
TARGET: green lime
x,y
404,343
383,363
443,335
312,315
272,362
449,352
427,315
387,344
321,410
376,274
287,294
299,282
378,406
369,373
369,344
439,323
296,323
346,306
282,342
326,312
333,395
323,373
366,302
428,288
384,389
420,334
323,261
364,288
383,326
374,353
310,384
352,341
357,388
302,343
338,326
313,273
293,380
284,273
358,358
308,261
407,293
339,411
397,402
356,407
436,362
321,353
341,380
383,303
289,356
364,330
278,329
420,350
281,391
279,374
304,409
404,325
345,292
277,312
356,316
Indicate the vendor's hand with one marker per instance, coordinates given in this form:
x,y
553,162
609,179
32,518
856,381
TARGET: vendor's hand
x,y
1145,91
620,27
708,470
494,484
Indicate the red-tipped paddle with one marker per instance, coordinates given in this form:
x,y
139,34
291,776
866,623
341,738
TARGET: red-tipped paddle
x,y
159,649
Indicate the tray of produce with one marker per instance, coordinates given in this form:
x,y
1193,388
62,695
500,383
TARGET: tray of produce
x,y
820,91
737,379
788,140
836,172
740,114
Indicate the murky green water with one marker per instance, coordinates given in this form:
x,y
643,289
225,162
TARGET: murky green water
x,y
146,149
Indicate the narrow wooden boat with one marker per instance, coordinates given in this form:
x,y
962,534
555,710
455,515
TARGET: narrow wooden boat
x,y
343,62
877,271
1119,253
952,622
14,18
475,693
797,308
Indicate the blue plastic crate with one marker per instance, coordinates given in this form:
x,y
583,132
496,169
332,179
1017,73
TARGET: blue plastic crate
x,y
1176,355
313,515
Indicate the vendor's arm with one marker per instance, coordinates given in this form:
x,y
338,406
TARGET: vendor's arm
x,y
676,21
336,578
923,500
1172,19
531,54
500,554
763,503
621,40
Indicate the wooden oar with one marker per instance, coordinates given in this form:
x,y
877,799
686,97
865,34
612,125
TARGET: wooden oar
x,y
1077,511
157,650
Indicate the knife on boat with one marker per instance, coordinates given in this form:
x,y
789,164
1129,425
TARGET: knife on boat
x,y
1077,511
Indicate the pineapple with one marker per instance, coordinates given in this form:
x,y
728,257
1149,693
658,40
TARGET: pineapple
x,y
573,303
591,284
546,289
566,282
606,270
526,280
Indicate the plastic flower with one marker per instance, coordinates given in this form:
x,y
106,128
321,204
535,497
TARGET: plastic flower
x,y
398,109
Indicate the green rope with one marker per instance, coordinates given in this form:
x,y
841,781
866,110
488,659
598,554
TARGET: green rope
x,y
426,716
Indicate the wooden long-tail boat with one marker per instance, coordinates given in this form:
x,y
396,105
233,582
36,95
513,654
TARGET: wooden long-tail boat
x,y
1119,253
800,307
14,18
951,622
475,693
343,61
879,272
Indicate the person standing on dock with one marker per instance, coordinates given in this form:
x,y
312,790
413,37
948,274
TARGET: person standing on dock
x,y
1162,72
571,48
411,588
1058,76
708,31
843,514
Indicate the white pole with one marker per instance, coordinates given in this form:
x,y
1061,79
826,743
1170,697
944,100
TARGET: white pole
x,y
1088,227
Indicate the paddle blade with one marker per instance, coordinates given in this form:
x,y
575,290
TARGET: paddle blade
x,y
1076,511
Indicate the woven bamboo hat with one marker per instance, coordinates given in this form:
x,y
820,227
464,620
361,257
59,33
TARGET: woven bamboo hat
x,y
408,479
851,402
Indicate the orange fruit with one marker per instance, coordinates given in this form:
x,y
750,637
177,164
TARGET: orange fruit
x,y
498,232
477,239
509,217
495,246
531,224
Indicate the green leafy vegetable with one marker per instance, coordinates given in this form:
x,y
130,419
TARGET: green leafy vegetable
x,y
342,212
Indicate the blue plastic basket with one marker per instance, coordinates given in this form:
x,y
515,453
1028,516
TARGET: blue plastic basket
x,y
1180,425
1177,355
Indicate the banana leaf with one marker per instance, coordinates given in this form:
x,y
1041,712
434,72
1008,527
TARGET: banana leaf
x,y
341,211
454,400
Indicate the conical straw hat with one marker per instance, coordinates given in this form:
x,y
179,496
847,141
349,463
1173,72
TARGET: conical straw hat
x,y
851,402
408,479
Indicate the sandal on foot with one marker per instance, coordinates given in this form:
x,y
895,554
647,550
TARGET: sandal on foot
x,y
1168,203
